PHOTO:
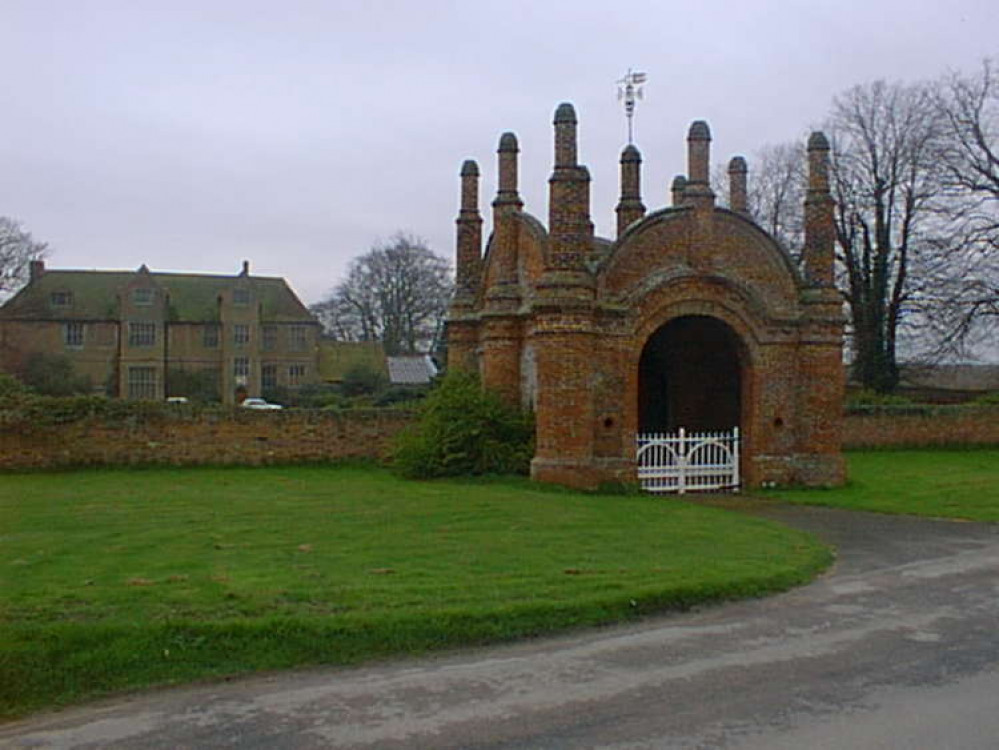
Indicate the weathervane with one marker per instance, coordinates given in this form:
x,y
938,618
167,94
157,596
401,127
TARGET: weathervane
x,y
629,90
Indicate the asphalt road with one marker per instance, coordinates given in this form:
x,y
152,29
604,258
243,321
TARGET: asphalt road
x,y
895,648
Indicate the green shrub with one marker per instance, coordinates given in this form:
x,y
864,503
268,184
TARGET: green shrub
x,y
400,394
362,380
53,375
989,399
11,387
465,430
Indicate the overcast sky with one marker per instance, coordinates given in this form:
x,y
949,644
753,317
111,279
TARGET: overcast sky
x,y
192,134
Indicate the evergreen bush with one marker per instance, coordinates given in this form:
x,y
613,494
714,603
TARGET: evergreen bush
x,y
464,429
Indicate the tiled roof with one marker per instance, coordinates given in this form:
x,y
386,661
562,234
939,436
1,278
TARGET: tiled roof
x,y
191,297
413,370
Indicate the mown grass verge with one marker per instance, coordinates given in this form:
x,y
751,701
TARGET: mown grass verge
x,y
940,483
114,580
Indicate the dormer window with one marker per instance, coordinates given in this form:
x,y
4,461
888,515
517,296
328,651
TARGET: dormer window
x,y
142,297
240,296
61,299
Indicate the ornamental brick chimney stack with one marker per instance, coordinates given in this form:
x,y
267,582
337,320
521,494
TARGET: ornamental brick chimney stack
x,y
500,330
562,336
630,207
569,225
737,186
461,325
507,189
505,205
565,135
819,227
677,188
698,189
469,233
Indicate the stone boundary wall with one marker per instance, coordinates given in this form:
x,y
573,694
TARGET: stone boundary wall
x,y
189,438
903,427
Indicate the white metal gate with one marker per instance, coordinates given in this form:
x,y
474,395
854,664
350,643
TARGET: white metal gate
x,y
689,461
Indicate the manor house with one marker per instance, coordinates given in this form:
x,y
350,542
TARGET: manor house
x,y
145,335
692,317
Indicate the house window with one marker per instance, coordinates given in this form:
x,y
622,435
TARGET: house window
x,y
268,338
142,297
296,374
241,369
268,377
241,334
72,334
211,337
141,334
61,299
142,383
241,296
298,338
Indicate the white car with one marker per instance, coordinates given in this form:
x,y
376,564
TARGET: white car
x,y
259,403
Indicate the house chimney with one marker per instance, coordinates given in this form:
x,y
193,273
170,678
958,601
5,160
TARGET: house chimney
x,y
246,268
35,270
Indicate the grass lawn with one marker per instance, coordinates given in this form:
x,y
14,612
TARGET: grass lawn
x,y
938,483
113,580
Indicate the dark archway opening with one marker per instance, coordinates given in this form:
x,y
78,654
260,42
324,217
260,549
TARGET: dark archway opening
x,y
690,376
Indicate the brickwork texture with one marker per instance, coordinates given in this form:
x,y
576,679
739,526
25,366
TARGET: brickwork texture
x,y
602,337
189,438
938,427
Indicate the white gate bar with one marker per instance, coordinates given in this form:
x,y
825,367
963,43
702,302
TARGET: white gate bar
x,y
682,461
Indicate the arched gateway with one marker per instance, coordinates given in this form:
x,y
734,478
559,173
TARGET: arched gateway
x,y
693,318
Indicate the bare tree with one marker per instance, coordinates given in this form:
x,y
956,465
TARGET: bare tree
x,y
890,228
969,106
17,249
777,193
396,293
900,253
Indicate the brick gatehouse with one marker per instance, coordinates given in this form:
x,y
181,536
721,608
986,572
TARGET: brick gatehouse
x,y
692,317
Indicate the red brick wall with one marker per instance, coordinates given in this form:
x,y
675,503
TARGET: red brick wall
x,y
187,439
944,426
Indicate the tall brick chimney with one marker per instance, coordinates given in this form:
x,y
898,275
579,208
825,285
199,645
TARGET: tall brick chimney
x,y
698,188
738,185
469,232
819,227
506,203
569,225
630,207
507,152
